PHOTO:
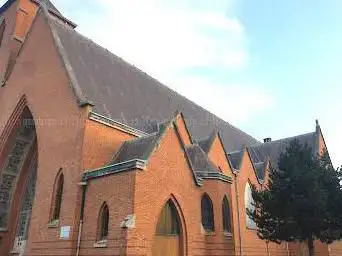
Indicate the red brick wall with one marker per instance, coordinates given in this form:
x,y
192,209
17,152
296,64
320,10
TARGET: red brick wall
x,y
118,192
181,126
218,157
10,18
100,144
166,174
336,248
40,76
25,15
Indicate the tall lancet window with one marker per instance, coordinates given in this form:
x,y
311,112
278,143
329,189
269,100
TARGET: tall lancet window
x,y
226,215
103,223
2,29
249,205
207,213
57,204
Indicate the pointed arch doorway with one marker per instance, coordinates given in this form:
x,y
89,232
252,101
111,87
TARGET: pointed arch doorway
x,y
168,239
18,172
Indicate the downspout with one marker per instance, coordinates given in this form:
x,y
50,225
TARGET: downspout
x,y
238,210
84,189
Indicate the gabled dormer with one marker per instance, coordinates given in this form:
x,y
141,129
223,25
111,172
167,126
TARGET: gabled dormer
x,y
214,148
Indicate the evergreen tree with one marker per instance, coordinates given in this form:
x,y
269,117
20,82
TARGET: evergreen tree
x,y
302,200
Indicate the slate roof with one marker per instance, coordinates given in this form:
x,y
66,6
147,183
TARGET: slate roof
x,y
49,5
235,158
126,94
206,143
273,149
260,169
136,149
200,161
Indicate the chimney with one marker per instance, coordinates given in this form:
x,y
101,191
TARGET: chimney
x,y
267,140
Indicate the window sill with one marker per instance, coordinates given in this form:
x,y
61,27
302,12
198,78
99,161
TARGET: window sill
x,y
252,229
209,233
53,224
100,244
228,234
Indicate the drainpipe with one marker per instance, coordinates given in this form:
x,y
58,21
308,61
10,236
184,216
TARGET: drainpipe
x,y
238,210
84,188
267,249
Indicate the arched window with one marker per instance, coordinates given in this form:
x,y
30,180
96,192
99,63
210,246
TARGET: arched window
x,y
168,223
103,223
58,197
2,29
249,205
226,215
207,213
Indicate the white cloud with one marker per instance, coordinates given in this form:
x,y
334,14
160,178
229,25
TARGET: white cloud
x,y
168,39
235,103
164,39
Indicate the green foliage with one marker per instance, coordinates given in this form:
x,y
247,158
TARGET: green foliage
x,y
302,201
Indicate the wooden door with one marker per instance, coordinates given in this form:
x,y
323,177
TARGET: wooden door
x,y
167,240
166,246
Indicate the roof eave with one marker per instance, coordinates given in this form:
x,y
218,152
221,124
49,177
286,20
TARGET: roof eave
x,y
58,15
6,5
135,164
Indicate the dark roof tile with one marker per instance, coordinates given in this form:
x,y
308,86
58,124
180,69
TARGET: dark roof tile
x,y
126,94
206,143
273,149
200,161
235,158
49,5
135,149
260,169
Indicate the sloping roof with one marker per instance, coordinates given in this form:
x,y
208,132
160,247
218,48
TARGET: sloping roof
x,y
206,143
6,5
235,158
273,149
200,161
135,149
260,169
49,5
126,94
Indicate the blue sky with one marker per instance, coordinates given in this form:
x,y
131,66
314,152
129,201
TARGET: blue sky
x,y
268,67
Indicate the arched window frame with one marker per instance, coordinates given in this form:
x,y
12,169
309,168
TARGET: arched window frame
x,y
57,197
103,223
249,205
226,216
168,222
2,29
207,213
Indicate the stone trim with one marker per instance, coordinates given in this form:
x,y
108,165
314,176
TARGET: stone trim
x,y
115,124
72,24
216,176
115,168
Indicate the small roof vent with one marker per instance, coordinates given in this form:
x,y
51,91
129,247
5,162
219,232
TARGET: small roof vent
x,y
267,140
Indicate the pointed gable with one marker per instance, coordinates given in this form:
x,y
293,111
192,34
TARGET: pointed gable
x,y
235,158
183,129
213,146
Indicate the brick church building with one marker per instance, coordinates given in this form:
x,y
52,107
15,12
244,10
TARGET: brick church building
x,y
98,158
